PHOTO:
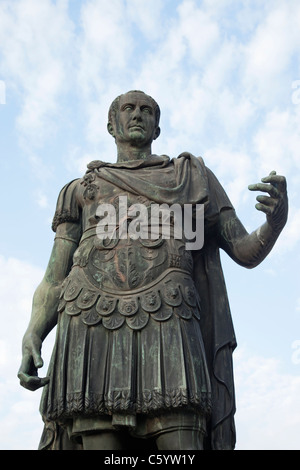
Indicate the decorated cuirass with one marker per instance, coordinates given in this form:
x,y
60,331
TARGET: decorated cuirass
x,y
124,279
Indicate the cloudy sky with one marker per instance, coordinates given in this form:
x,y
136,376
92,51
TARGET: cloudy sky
x,y
226,74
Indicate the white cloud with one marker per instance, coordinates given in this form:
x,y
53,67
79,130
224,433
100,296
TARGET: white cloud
x,y
21,425
220,65
290,237
19,416
34,39
234,168
41,200
270,51
146,16
268,409
77,159
162,71
18,282
105,49
168,69
106,37
296,346
277,142
194,19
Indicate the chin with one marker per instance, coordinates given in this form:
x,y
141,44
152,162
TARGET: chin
x,y
137,137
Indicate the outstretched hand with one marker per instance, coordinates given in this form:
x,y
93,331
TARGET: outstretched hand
x,y
275,206
31,362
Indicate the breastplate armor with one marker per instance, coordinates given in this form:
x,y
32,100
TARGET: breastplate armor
x,y
128,281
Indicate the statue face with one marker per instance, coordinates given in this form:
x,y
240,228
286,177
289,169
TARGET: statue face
x,y
135,120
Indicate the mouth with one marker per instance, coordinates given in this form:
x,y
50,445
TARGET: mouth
x,y
137,127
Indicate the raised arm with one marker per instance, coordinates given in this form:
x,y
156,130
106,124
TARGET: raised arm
x,y
45,302
251,249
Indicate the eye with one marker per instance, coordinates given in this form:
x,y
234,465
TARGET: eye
x,y
147,110
128,107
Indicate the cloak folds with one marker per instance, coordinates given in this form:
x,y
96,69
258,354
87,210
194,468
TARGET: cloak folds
x,y
194,184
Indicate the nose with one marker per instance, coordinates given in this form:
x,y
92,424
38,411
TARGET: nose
x,y
137,115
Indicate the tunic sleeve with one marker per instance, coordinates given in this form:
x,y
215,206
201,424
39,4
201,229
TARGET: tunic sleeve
x,y
67,207
218,198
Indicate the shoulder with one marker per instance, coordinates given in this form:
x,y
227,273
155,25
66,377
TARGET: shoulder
x,y
68,205
71,186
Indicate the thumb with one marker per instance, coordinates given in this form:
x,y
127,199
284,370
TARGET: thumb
x,y
37,359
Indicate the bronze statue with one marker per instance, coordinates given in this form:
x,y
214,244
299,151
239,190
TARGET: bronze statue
x,y
144,342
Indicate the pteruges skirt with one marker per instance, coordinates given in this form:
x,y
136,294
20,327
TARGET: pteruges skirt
x,y
124,372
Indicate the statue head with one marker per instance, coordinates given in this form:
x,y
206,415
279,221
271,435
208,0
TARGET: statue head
x,y
134,115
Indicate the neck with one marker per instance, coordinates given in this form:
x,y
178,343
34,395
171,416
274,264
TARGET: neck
x,y
129,152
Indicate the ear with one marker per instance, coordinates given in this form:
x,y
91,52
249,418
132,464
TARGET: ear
x,y
110,129
156,133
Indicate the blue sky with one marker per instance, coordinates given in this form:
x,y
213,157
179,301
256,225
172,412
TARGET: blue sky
x,y
226,74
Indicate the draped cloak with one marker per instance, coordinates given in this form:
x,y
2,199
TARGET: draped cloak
x,y
194,184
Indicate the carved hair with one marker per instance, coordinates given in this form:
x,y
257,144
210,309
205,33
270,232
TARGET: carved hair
x,y
114,107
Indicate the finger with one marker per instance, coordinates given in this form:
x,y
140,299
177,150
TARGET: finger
x,y
44,381
37,359
263,208
267,200
269,177
30,363
31,382
26,363
277,180
267,188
